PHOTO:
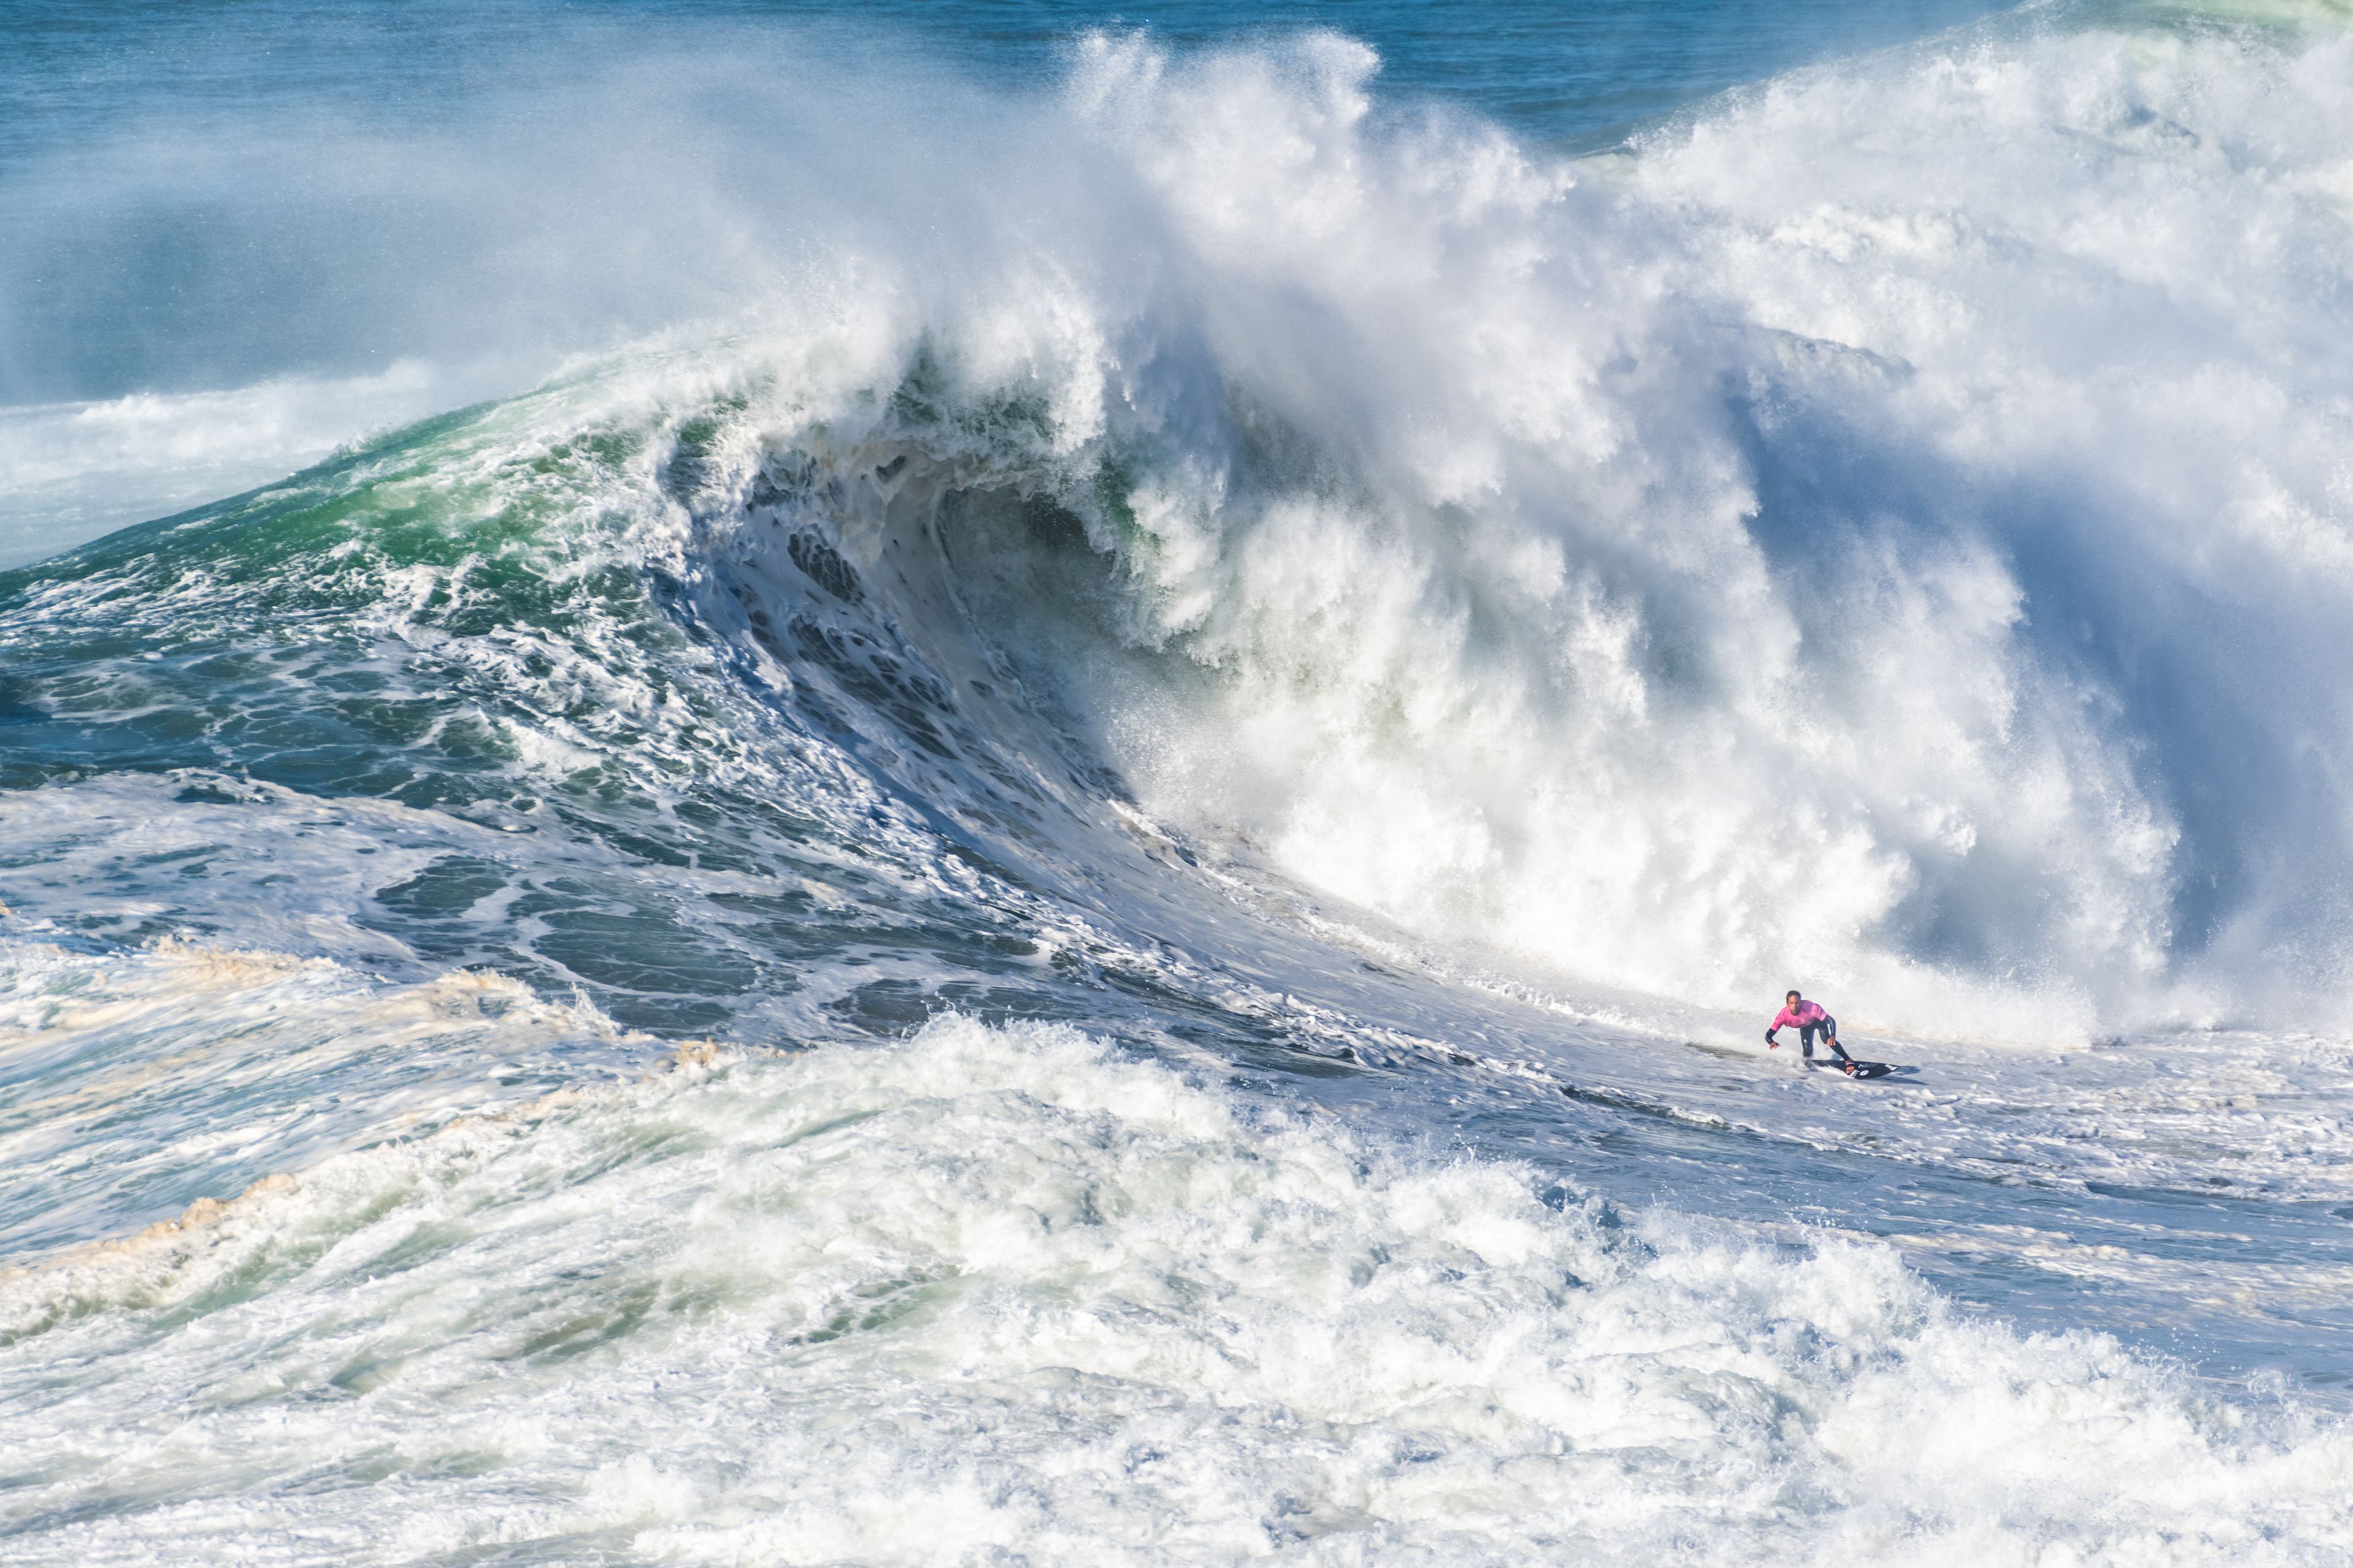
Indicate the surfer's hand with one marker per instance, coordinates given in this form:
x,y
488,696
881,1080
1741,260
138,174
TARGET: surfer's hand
x,y
1770,1043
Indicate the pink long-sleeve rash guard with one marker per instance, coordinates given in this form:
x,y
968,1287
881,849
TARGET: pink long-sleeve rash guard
x,y
1796,1018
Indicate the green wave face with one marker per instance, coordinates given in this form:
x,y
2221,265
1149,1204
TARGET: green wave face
x,y
416,620
614,624
473,616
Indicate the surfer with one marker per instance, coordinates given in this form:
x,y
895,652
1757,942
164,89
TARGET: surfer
x,y
1809,1019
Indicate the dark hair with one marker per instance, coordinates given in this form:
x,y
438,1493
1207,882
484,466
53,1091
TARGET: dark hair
x,y
1792,992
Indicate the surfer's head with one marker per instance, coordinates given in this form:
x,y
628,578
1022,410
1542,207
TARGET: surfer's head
x,y
1793,996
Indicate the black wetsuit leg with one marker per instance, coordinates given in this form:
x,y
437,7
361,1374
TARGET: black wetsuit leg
x,y
1826,1026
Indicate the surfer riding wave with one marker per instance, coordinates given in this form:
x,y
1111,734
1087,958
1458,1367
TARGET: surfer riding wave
x,y
1809,1018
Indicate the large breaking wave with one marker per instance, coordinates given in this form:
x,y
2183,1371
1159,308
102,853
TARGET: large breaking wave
x,y
1888,532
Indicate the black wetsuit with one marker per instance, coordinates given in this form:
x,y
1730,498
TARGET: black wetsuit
x,y
1828,1026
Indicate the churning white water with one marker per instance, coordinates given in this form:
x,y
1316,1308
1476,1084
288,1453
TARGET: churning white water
x,y
998,1293
1889,528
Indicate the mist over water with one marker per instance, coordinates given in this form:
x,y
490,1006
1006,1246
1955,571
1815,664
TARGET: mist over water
x,y
222,215
1047,806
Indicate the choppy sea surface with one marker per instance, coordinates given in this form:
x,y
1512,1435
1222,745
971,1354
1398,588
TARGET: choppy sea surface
x,y
1006,783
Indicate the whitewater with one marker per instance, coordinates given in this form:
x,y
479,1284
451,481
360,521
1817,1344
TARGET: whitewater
x,y
945,813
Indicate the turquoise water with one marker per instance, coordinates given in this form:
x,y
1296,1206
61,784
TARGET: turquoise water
x,y
959,785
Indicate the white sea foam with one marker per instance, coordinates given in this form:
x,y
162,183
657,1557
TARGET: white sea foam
x,y
1002,1293
131,1084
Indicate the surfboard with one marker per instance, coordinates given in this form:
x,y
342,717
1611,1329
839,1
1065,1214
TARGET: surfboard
x,y
1863,1069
